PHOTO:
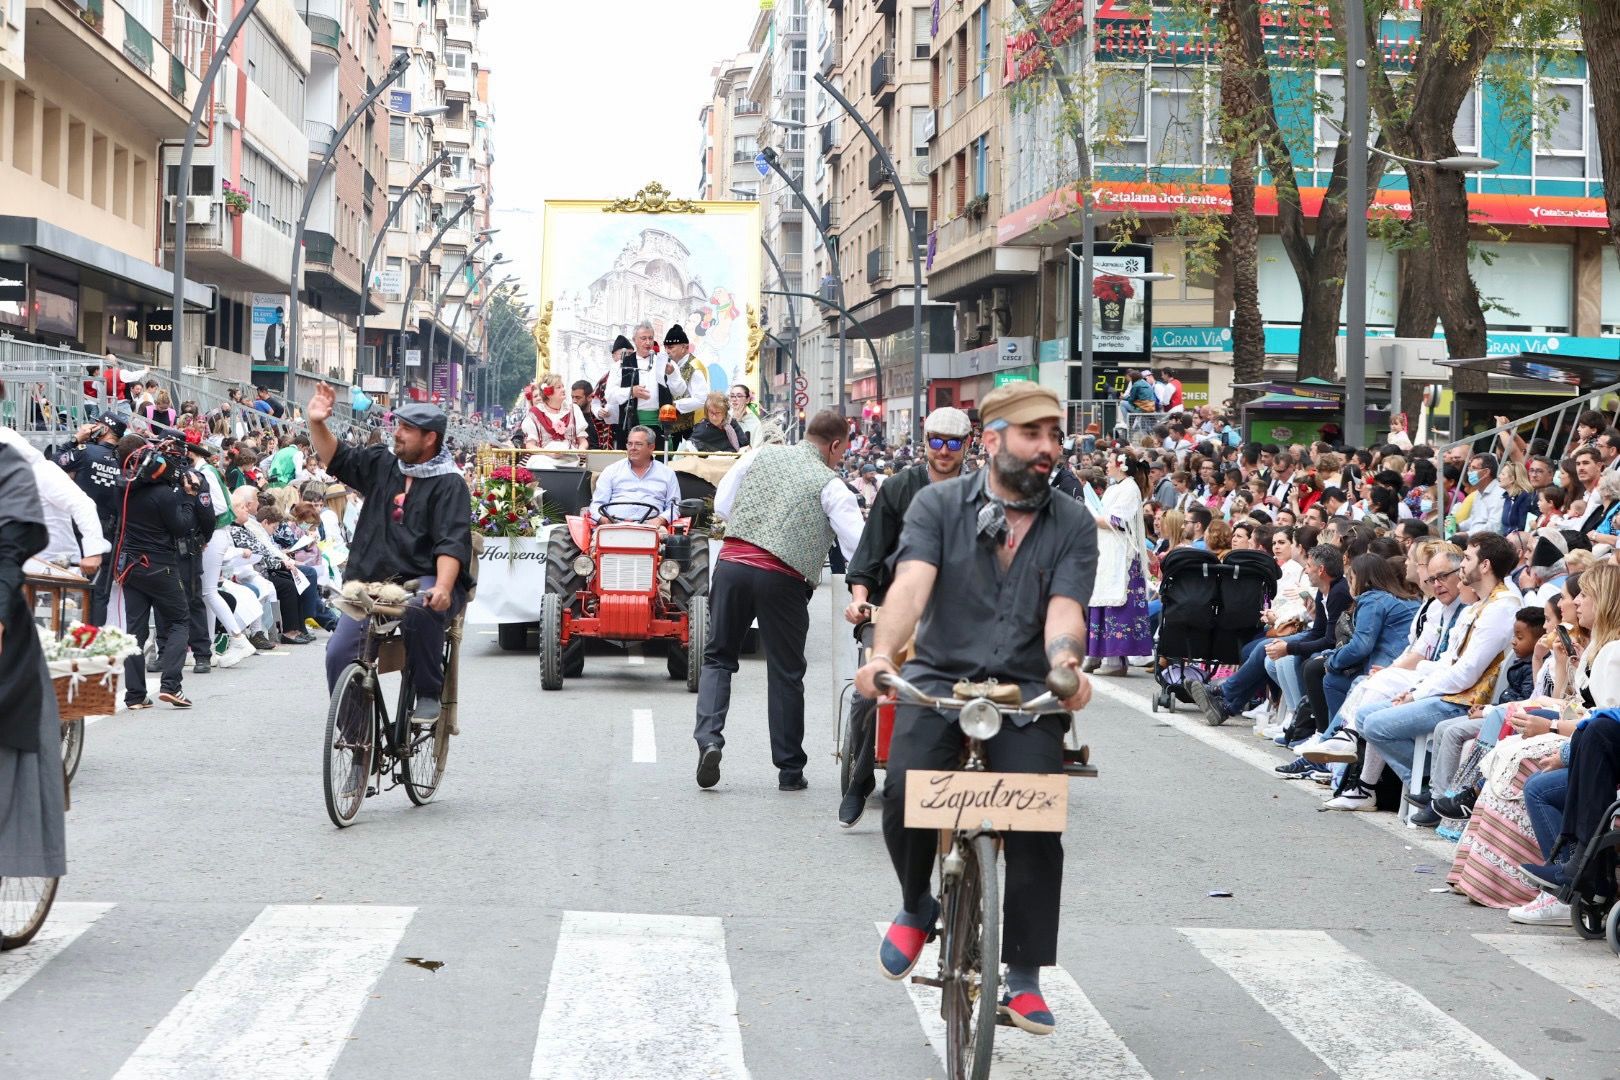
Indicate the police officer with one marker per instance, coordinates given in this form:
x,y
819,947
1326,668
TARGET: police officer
x,y
160,525
946,434
93,463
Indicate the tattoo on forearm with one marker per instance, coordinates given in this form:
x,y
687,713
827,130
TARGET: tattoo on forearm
x,y
1064,644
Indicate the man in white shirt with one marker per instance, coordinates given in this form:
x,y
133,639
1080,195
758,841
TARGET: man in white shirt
x,y
1486,515
1464,675
657,381
690,404
637,479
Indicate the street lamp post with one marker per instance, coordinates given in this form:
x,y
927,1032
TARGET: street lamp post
x,y
376,245
391,76
859,326
917,245
793,327
433,324
205,94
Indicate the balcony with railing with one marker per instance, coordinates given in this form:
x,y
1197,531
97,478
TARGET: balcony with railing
x,y
320,136
319,248
121,59
884,77
789,25
877,176
324,30
831,55
786,204
830,216
879,265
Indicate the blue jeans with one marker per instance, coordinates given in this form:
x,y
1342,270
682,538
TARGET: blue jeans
x,y
1239,692
1544,795
1335,688
1285,673
1392,728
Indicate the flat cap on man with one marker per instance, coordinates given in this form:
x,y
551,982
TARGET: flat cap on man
x,y
419,414
1020,402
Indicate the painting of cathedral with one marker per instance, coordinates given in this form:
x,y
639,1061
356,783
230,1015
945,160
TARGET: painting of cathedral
x,y
605,272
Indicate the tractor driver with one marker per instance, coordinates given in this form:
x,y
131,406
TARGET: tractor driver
x,y
637,479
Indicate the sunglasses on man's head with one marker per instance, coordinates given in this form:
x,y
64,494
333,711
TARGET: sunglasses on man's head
x,y
936,442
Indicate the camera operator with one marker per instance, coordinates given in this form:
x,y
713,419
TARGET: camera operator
x,y
93,463
160,529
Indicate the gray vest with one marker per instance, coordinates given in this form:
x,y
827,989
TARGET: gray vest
x,y
778,507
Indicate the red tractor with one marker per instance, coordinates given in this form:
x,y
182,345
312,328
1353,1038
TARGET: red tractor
x,y
618,580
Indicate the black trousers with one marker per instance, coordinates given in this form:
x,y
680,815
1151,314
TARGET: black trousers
x,y
737,595
147,589
1594,773
281,580
863,721
1313,670
101,585
926,739
197,639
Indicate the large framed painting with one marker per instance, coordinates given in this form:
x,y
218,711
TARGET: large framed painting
x,y
607,266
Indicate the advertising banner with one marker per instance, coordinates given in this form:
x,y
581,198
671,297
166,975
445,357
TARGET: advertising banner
x,y
269,337
1121,305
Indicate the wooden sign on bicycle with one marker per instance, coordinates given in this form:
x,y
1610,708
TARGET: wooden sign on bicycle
x,y
1010,802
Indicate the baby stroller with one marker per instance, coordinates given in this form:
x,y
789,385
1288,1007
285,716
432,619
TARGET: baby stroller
x,y
1211,607
1592,899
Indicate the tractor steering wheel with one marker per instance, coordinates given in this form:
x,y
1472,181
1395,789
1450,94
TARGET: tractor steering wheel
x,y
649,511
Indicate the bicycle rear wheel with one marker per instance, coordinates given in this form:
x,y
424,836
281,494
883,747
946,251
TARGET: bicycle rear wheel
x,y
351,737
24,903
970,963
72,747
421,759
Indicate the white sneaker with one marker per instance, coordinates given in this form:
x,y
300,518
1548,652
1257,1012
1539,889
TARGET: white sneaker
x,y
239,649
1273,731
1338,749
1354,799
1310,744
1259,712
1544,910
229,658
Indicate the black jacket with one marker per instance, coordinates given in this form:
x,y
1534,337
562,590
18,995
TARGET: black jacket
x,y
1321,634
706,437
160,525
95,469
872,564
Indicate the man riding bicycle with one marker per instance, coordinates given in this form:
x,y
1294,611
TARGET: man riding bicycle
x,y
993,574
415,525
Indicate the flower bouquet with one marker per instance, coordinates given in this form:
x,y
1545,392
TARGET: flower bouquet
x,y
85,664
1112,291
503,503
236,200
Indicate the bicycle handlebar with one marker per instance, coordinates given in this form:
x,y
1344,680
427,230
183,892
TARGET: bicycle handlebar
x,y
1051,701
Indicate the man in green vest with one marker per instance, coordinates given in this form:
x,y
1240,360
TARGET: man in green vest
x,y
783,507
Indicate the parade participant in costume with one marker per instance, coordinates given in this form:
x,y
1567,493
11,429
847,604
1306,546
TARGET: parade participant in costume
x,y
1119,616
553,422
695,374
598,432
992,576
33,840
783,506
646,382
741,399
946,434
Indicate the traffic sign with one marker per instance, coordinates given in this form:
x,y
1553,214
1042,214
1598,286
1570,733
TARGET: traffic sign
x,y
761,164
801,400
801,383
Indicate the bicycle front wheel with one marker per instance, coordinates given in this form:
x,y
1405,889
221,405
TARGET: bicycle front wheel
x,y
351,737
24,903
970,959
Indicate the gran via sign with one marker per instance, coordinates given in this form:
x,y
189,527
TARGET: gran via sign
x,y
1192,339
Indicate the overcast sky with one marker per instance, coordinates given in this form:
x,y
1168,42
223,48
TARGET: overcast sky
x,y
595,98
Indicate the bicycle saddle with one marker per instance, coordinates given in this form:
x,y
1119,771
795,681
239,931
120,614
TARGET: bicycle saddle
x,y
359,599
998,692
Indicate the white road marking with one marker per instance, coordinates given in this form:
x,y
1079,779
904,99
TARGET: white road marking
x,y
282,1000
62,928
1581,967
635,656
672,1009
1082,1034
1362,1023
643,746
1259,754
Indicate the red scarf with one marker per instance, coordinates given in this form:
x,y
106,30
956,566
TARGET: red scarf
x,y
552,434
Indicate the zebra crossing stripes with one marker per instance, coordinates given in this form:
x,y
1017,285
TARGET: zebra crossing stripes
x,y
1581,967
1362,1023
1082,1034
61,929
279,1004
639,997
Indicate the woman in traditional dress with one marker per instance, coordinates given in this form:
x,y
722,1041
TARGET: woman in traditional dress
x,y
553,422
1119,611
33,842
1499,837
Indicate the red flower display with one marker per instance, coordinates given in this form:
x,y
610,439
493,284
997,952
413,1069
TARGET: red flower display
x,y
1112,287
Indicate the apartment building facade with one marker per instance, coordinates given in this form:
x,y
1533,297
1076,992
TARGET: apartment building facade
x,y
729,123
89,92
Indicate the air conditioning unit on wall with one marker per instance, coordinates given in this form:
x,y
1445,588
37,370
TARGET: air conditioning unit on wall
x,y
199,209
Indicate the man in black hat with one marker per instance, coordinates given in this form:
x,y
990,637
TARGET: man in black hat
x,y
646,383
690,404
414,526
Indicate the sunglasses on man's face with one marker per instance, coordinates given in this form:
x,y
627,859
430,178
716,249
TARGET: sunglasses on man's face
x,y
936,442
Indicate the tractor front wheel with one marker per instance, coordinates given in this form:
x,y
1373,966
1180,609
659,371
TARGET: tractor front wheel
x,y
551,649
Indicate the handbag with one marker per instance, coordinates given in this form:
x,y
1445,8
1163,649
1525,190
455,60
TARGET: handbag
x,y
1111,583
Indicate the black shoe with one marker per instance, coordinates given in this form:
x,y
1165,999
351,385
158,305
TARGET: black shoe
x,y
708,770
1420,799
1297,769
259,641
851,809
1208,699
201,667
1424,818
792,781
1458,807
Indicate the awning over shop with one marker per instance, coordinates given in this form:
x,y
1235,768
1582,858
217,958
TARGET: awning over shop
x,y
54,249
1584,372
